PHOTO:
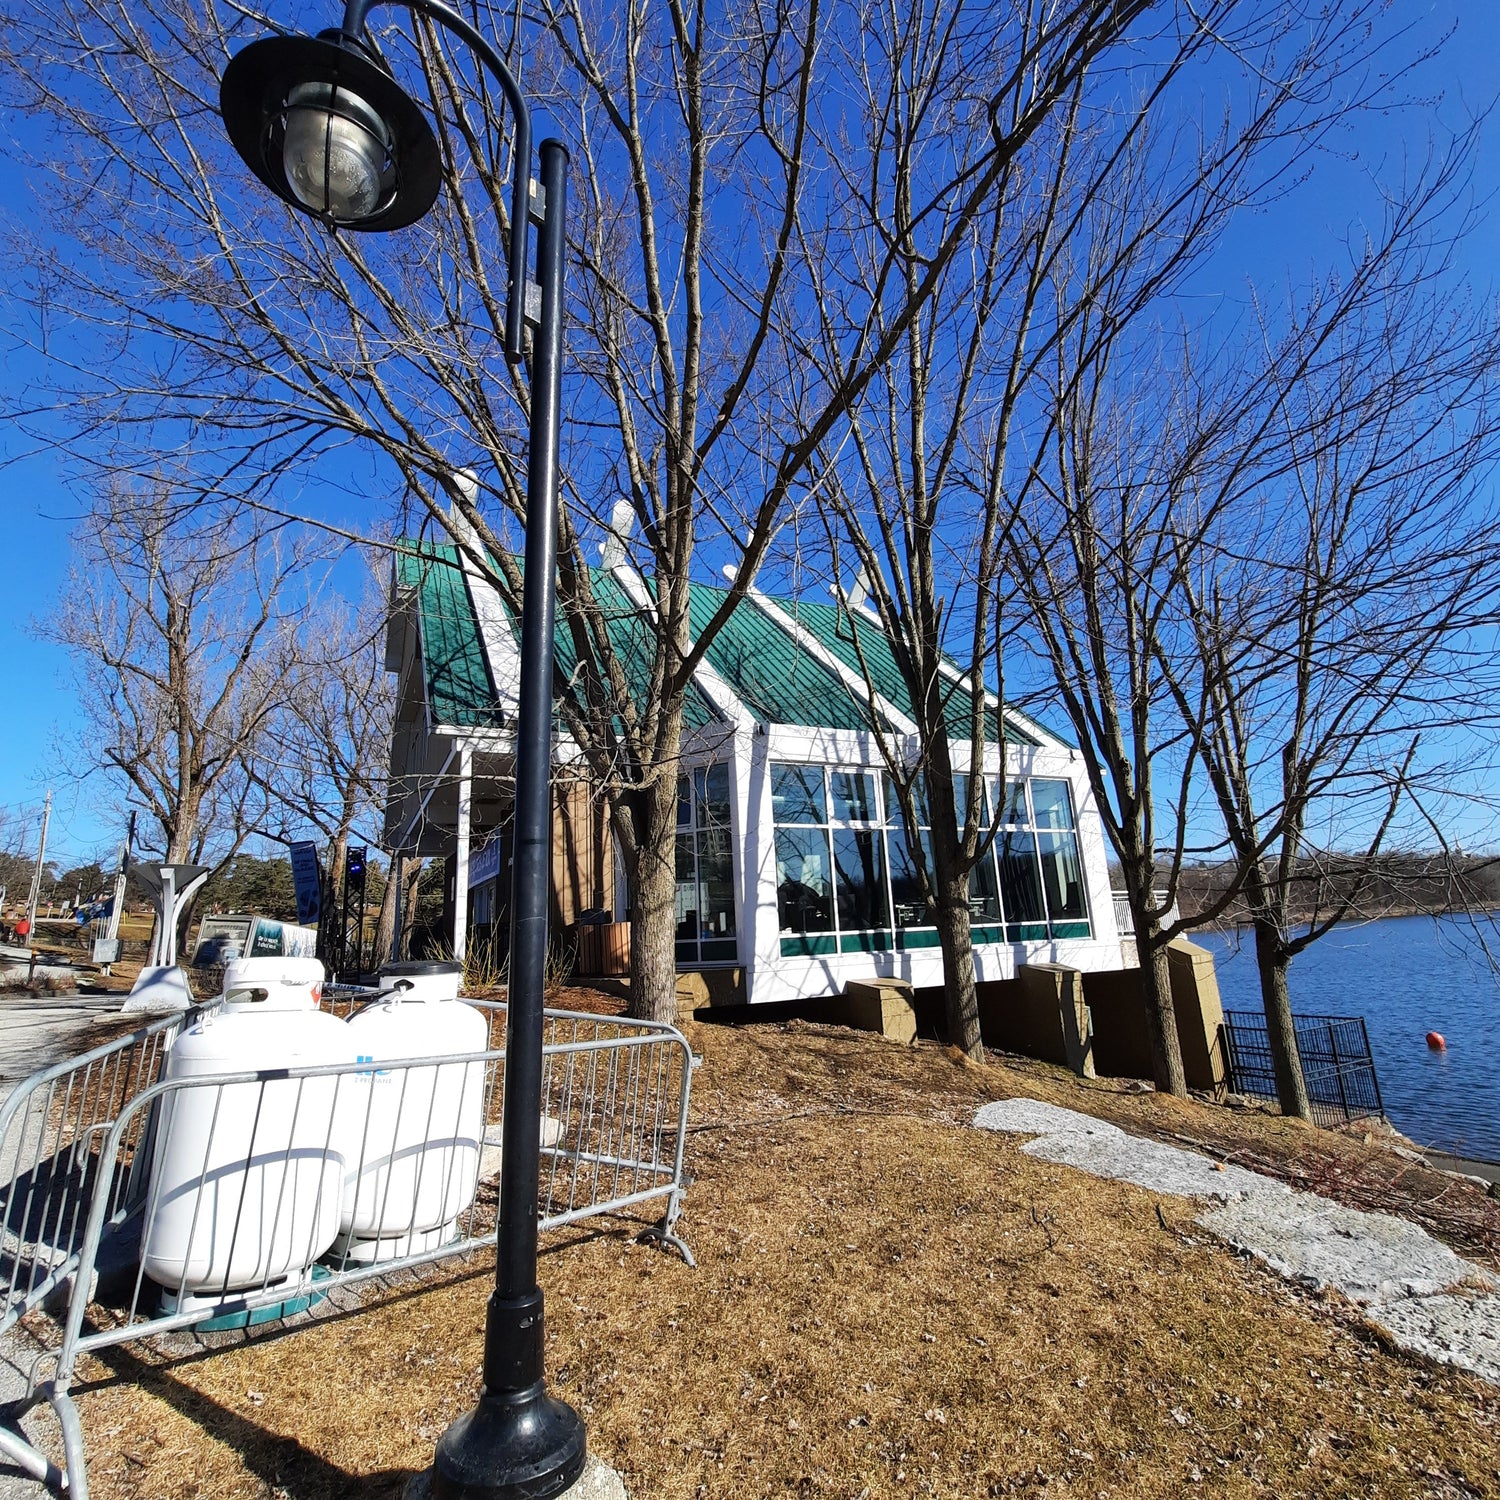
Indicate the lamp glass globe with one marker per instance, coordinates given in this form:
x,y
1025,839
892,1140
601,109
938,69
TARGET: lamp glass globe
x,y
335,153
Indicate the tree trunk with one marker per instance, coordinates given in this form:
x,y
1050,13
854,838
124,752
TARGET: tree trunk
x,y
179,852
653,906
960,999
337,950
412,874
1271,958
385,923
950,885
1161,1014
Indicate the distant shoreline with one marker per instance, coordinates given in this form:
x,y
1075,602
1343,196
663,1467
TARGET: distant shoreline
x,y
1223,923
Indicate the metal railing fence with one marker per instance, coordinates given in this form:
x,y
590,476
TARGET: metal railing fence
x,y
1336,1063
233,1199
49,1139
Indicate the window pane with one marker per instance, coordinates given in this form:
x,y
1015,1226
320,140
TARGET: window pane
x,y
713,797
687,890
893,803
984,892
1019,879
859,862
797,794
906,883
1053,807
716,882
684,802
1015,804
961,802
804,888
853,796
1062,874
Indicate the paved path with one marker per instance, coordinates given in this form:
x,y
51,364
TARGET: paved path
x,y
36,1030
1428,1299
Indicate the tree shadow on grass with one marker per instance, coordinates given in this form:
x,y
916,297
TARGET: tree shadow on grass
x,y
287,1466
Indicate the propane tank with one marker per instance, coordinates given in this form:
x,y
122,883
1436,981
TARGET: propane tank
x,y
272,983
246,1178
414,1142
424,978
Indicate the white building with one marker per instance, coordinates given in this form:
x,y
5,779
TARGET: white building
x,y
793,871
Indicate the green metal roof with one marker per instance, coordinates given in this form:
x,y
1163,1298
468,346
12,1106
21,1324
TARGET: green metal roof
x,y
631,635
460,690
835,630
778,681
761,662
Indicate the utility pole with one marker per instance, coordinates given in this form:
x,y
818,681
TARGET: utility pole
x,y
36,874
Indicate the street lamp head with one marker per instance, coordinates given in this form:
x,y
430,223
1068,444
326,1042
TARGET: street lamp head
x,y
328,130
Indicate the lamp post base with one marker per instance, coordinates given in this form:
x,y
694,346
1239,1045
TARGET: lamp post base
x,y
519,1445
597,1482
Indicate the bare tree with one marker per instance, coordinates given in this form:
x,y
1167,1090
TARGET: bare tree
x,y
179,625
1341,607
327,754
693,131
1116,505
1112,207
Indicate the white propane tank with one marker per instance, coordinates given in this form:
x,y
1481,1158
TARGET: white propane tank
x,y
424,978
272,983
247,1178
414,1144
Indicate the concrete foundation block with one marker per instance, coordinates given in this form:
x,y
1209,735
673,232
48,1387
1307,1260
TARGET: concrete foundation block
x,y
884,1006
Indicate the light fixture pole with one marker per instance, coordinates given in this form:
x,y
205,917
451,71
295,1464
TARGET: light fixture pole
x,y
323,124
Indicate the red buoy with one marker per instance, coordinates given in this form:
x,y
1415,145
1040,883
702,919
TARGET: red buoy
x,y
1436,1042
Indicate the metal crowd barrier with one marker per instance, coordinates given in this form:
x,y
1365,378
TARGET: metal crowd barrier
x,y
137,1205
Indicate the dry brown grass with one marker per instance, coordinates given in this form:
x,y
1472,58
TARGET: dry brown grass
x,y
887,1303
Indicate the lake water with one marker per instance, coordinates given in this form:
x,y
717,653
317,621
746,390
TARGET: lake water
x,y
1406,976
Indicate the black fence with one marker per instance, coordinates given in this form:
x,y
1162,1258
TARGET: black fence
x,y
1336,1063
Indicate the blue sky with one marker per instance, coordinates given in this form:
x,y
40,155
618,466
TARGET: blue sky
x,y
40,733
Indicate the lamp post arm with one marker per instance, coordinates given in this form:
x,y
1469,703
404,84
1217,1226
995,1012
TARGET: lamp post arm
x,y
355,14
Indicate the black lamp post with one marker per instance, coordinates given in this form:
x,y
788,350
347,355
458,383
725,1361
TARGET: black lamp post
x,y
324,125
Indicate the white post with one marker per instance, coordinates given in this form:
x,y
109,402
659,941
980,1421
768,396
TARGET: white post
x,y
117,905
166,924
461,861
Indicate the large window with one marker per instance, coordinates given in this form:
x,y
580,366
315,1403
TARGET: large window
x,y
847,879
831,886
705,868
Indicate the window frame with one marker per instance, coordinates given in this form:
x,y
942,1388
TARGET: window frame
x,y
888,824
725,948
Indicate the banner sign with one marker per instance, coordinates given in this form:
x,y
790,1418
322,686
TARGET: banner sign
x,y
307,876
484,864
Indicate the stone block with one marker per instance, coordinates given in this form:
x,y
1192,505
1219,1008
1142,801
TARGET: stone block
x,y
702,987
1200,1014
884,1006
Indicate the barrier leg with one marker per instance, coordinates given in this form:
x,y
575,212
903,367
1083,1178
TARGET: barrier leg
x,y
72,1435
14,1449
664,1233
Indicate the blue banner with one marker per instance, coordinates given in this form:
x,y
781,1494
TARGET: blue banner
x,y
307,876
